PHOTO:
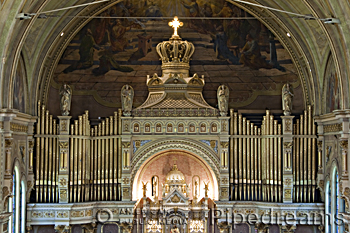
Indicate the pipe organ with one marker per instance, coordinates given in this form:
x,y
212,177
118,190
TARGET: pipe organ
x,y
91,157
86,160
260,157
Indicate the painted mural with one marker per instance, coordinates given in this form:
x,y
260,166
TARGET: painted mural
x,y
112,51
18,87
331,88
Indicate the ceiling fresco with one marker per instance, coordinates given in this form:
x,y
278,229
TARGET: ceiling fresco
x,y
113,50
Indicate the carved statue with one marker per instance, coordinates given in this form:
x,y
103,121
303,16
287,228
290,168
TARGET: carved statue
x,y
163,190
127,95
206,188
155,186
195,188
66,96
144,188
287,98
223,95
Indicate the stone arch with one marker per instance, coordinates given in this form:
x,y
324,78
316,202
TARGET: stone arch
x,y
194,148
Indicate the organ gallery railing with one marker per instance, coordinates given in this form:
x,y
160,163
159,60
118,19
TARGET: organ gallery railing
x,y
262,165
77,162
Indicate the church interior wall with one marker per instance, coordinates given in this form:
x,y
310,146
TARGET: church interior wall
x,y
252,92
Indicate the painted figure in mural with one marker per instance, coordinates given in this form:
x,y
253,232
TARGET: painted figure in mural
x,y
206,188
251,56
287,99
223,97
66,95
117,40
144,188
175,230
194,11
108,62
127,95
222,51
86,53
153,10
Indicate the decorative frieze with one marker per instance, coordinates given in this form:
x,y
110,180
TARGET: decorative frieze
x,y
18,128
332,128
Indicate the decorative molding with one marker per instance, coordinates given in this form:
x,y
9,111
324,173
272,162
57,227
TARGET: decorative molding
x,y
8,142
126,144
287,145
344,144
288,125
31,144
332,128
224,144
18,128
64,145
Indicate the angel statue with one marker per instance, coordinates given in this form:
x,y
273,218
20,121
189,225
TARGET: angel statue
x,y
287,98
206,188
223,95
127,99
66,97
144,188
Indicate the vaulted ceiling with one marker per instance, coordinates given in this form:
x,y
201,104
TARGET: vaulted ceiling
x,y
40,43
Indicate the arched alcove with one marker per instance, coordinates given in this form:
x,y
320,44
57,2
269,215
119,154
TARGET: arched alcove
x,y
160,164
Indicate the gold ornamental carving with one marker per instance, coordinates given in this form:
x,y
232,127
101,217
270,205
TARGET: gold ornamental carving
x,y
288,193
126,192
288,145
63,182
137,143
213,144
224,181
224,192
288,125
77,214
126,127
321,184
126,180
64,145
37,214
8,142
175,199
288,182
63,194
31,144
64,126
288,228
62,214
344,144
49,214
126,144
18,128
224,144
332,128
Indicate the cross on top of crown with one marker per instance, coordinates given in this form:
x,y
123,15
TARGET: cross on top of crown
x,y
175,24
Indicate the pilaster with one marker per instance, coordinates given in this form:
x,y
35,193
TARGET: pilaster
x,y
63,142
126,152
287,126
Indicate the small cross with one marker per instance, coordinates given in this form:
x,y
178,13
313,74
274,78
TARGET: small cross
x,y
175,24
